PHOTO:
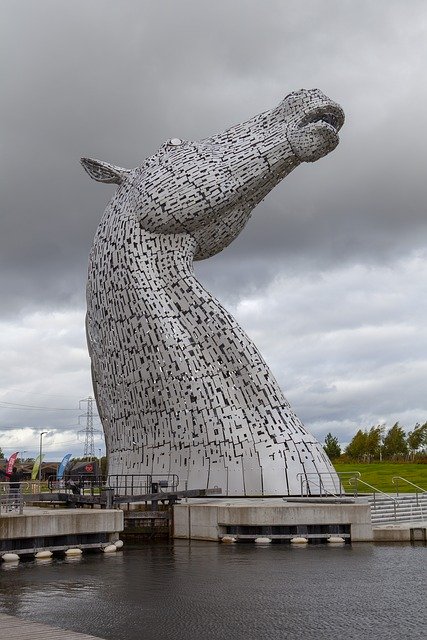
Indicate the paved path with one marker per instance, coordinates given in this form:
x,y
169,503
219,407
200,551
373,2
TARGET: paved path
x,y
17,629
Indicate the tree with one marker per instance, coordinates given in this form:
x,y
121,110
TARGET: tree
x,y
332,447
417,438
395,442
373,441
1,454
357,448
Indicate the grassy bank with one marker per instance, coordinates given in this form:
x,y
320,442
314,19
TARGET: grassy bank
x,y
380,475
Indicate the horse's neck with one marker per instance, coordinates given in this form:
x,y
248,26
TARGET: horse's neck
x,y
122,249
143,298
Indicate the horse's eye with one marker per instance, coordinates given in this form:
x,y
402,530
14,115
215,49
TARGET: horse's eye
x,y
175,142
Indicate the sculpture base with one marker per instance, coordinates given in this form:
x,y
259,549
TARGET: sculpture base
x,y
250,518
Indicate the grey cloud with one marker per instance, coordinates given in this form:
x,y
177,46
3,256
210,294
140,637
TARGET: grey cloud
x,y
347,346
114,80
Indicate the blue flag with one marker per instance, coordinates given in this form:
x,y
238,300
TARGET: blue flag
x,y
62,466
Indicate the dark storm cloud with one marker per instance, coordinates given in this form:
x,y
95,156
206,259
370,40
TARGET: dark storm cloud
x,y
113,80
327,277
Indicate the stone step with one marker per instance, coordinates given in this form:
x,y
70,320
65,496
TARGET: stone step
x,y
406,509
401,499
408,515
398,509
399,504
401,512
392,519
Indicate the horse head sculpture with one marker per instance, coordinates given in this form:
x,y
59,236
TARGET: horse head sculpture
x,y
180,388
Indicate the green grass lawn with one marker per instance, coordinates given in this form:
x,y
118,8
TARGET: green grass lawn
x,y
380,474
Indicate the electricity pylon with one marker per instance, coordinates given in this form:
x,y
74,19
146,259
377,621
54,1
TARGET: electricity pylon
x,y
89,431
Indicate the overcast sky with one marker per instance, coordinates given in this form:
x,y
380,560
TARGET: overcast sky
x,y
329,276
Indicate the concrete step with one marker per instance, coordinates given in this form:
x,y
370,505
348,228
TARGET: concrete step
x,y
380,521
406,508
403,503
399,512
398,499
404,517
399,516
399,506
401,499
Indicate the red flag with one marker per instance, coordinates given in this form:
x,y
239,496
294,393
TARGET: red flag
x,y
11,463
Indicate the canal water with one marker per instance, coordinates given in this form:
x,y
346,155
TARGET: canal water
x,y
209,591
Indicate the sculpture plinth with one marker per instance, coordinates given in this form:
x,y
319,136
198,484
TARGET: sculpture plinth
x,y
179,386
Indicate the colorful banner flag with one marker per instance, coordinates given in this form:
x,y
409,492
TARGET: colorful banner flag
x,y
11,463
35,468
61,468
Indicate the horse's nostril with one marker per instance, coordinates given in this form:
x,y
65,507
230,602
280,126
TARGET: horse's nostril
x,y
329,118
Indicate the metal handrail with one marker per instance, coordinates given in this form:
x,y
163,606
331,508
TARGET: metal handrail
x,y
122,484
77,483
137,483
408,482
303,477
11,498
375,491
304,481
24,484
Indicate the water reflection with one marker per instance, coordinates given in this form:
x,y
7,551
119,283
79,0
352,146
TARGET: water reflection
x,y
7,566
42,561
75,558
240,591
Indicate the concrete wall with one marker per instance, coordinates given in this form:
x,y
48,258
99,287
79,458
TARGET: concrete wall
x,y
207,521
47,522
401,532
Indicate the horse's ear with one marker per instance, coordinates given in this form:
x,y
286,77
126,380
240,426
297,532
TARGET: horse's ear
x,y
103,171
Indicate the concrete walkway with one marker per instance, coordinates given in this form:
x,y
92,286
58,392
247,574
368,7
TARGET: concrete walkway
x,y
17,629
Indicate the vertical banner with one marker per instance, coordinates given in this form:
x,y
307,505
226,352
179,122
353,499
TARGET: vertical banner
x,y
61,468
35,468
11,463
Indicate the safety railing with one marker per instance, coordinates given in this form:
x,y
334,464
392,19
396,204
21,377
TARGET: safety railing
x,y
11,497
76,484
356,481
396,479
139,484
319,480
121,484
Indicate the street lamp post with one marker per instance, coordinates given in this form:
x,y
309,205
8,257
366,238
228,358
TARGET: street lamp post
x,y
40,455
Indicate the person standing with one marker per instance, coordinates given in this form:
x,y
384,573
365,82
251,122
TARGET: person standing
x,y
15,480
